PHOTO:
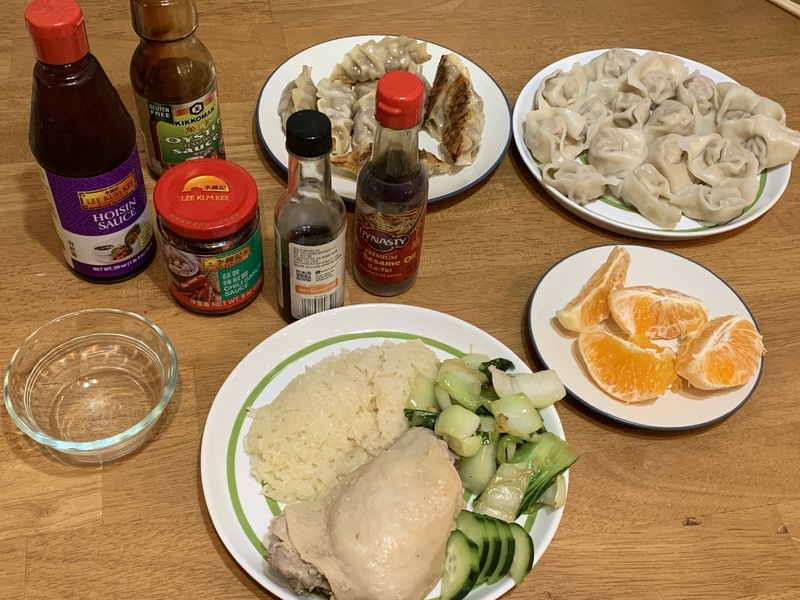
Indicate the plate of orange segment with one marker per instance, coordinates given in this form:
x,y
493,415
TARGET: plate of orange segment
x,y
646,337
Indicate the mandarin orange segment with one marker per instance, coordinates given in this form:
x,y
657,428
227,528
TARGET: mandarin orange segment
x,y
656,313
625,370
725,352
590,306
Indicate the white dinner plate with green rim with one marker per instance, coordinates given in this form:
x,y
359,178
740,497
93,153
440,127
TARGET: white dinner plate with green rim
x,y
610,213
686,408
324,56
240,513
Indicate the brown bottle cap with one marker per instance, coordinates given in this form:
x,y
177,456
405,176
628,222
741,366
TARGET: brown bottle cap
x,y
163,20
57,31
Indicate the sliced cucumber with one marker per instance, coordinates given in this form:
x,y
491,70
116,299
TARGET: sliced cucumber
x,y
523,554
461,566
473,527
507,547
493,551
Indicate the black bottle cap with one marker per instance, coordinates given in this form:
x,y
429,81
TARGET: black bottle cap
x,y
308,134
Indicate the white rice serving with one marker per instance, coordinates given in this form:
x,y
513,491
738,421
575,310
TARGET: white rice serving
x,y
333,418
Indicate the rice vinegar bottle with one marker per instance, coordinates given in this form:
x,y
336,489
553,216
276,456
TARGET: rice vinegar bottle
x,y
392,191
310,223
175,85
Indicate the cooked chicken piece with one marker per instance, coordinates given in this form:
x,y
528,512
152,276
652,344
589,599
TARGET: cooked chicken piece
x,y
380,534
301,576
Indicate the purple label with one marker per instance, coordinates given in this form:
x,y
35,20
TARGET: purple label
x,y
103,222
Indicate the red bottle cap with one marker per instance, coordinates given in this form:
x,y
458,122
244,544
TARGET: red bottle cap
x,y
398,100
57,31
206,198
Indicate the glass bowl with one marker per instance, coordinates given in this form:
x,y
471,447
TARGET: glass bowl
x,y
91,384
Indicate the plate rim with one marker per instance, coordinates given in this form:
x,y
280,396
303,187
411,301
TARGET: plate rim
x,y
218,503
481,177
617,418
782,173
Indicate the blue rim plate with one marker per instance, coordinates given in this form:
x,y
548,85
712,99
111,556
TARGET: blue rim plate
x,y
611,214
239,512
322,58
557,348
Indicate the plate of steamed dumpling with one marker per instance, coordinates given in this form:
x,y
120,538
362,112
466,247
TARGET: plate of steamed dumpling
x,y
466,126
653,145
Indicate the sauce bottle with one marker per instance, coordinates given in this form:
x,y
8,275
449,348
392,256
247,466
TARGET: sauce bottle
x,y
84,141
310,223
175,85
392,191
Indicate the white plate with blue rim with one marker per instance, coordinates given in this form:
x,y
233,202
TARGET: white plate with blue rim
x,y
608,212
557,348
323,57
239,511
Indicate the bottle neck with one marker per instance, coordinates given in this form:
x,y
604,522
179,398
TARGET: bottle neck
x,y
309,177
395,153
71,72
163,20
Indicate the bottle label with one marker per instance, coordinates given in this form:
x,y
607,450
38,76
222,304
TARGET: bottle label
x,y
388,249
316,276
215,282
103,222
177,132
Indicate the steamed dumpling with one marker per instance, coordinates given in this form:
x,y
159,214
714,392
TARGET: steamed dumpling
x,y
698,92
657,75
714,160
598,116
713,204
667,156
299,94
562,90
772,144
669,117
553,135
643,188
371,60
616,151
630,108
737,102
603,90
577,181
611,63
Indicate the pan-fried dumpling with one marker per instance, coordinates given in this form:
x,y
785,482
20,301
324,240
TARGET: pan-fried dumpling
x,y
666,155
611,63
657,75
630,108
562,90
336,99
669,117
299,94
713,204
364,121
772,144
454,113
577,181
553,135
643,188
598,116
371,60
713,159
616,151
737,101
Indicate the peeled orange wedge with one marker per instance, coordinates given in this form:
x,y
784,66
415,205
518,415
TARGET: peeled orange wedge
x,y
625,370
590,306
656,313
725,352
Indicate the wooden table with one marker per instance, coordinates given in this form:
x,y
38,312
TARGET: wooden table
x,y
707,513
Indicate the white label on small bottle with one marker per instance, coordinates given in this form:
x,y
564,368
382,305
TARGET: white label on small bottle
x,y
316,275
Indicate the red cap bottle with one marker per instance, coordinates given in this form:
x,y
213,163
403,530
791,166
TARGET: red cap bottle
x,y
398,100
57,31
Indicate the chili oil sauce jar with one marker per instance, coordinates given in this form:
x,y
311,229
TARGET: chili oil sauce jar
x,y
209,224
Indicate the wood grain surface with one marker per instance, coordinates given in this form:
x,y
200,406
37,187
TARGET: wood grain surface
x,y
712,513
